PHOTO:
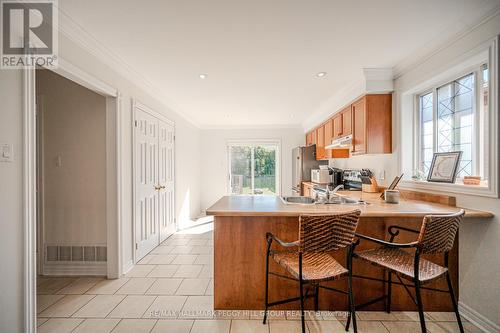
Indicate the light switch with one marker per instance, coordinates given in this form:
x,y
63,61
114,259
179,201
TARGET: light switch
x,y
6,152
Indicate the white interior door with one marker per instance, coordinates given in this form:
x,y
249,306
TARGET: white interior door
x,y
147,233
166,181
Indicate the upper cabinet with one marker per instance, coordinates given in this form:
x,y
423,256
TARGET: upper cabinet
x,y
372,125
359,131
337,126
311,138
328,137
346,121
320,143
368,119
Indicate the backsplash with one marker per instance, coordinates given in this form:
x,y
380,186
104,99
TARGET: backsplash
x,y
384,166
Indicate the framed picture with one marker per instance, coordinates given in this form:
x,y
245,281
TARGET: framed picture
x,y
444,167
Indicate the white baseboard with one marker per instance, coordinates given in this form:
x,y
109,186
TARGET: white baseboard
x,y
478,319
127,266
69,269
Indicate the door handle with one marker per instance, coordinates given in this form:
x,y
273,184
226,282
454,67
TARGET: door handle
x,y
159,188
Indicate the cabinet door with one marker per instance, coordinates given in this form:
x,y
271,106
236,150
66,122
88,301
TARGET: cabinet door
x,y
320,142
306,192
328,137
314,135
337,126
359,127
309,139
347,121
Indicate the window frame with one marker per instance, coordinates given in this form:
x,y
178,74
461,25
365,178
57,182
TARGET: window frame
x,y
254,143
485,52
474,70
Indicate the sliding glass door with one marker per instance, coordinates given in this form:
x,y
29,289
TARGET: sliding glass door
x,y
253,168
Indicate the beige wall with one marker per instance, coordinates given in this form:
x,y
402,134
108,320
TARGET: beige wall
x,y
74,161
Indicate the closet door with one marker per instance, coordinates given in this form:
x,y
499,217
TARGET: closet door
x,y
146,210
166,180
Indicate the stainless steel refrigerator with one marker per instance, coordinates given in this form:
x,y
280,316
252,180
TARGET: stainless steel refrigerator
x,y
303,161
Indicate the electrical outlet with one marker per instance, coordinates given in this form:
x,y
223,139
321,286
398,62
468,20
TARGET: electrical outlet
x,y
381,175
6,152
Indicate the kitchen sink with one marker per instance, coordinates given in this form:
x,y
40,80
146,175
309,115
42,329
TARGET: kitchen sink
x,y
345,200
298,200
335,200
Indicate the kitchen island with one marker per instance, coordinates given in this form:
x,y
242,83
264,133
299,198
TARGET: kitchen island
x,y
240,226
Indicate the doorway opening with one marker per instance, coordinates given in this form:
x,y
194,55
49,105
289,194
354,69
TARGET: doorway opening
x,y
71,178
48,251
254,167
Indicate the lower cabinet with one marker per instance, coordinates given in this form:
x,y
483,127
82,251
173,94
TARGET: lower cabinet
x,y
307,189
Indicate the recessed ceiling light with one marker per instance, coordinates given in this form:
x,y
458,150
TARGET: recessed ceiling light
x,y
321,74
203,76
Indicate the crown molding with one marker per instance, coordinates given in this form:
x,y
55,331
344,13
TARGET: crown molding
x,y
335,103
77,34
436,46
251,127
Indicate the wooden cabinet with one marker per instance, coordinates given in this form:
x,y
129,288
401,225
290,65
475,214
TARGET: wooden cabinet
x,y
346,121
320,143
307,189
342,123
328,137
368,119
337,126
309,138
359,130
372,125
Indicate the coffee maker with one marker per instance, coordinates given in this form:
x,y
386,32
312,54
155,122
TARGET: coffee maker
x,y
337,177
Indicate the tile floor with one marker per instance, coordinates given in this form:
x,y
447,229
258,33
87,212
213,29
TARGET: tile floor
x,y
171,289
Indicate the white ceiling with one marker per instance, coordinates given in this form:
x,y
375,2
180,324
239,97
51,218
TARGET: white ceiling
x,y
261,57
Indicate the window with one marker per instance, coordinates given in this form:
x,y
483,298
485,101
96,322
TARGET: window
x,y
452,117
253,168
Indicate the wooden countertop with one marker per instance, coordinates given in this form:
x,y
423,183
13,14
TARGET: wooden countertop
x,y
274,206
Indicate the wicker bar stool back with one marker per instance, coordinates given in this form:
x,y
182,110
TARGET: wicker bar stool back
x,y
325,233
438,233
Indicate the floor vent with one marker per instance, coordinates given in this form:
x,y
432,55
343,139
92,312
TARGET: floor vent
x,y
71,253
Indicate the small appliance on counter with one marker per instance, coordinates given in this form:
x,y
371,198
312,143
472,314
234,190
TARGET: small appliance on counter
x,y
323,175
352,180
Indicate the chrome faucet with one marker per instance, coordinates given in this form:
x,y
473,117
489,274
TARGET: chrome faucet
x,y
338,187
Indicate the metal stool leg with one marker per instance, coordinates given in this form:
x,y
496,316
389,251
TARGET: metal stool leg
x,y
301,284
267,282
454,301
389,292
351,304
420,306
316,298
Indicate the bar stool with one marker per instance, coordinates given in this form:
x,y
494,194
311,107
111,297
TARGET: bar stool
x,y
436,236
310,262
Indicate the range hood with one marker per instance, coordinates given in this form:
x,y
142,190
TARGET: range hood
x,y
342,142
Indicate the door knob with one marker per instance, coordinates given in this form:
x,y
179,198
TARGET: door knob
x,y
157,188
